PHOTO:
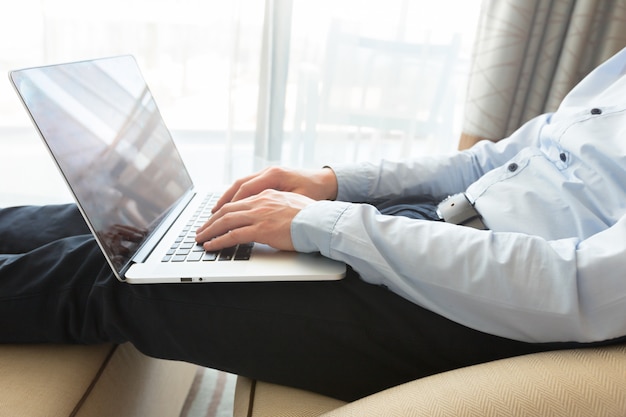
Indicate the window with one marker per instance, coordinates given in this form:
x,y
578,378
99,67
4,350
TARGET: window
x,y
202,61
371,79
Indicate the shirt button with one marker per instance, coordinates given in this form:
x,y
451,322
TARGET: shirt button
x,y
596,111
563,157
512,167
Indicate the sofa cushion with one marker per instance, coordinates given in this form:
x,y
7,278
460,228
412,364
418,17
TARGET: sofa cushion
x,y
47,380
133,384
262,399
72,380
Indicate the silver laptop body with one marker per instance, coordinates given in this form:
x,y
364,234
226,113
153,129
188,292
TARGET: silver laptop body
x,y
102,126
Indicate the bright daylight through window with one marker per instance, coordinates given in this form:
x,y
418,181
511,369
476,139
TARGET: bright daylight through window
x,y
350,79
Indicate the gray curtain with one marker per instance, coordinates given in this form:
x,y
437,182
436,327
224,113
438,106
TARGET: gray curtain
x,y
529,54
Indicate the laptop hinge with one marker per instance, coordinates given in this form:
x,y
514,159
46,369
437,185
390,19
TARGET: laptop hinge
x,y
158,233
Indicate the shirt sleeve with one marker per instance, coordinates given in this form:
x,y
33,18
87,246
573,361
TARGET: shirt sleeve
x,y
523,286
512,285
435,175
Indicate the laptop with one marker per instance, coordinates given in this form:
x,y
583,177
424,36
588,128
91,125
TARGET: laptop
x,y
102,126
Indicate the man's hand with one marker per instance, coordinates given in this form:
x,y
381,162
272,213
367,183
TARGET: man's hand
x,y
264,218
318,184
260,207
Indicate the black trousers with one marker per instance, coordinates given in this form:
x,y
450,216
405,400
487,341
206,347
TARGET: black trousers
x,y
345,339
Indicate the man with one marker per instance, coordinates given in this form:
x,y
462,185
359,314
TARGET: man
x,y
544,269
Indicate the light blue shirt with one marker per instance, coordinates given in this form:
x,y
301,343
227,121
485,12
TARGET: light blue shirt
x,y
552,267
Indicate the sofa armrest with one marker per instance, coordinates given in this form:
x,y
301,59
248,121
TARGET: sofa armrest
x,y
581,382
568,383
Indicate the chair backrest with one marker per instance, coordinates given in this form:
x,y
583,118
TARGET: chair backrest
x,y
393,88
385,84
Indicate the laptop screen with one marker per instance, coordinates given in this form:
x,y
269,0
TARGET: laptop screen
x,y
107,136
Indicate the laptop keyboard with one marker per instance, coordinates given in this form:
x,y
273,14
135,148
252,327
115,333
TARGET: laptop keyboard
x,y
185,249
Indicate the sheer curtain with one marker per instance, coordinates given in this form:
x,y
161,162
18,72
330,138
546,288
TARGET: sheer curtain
x,y
361,80
199,57
250,83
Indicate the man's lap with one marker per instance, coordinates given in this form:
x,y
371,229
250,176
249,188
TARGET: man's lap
x,y
345,338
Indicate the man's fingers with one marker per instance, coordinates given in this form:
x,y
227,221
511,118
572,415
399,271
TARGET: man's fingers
x,y
269,178
242,188
231,238
218,214
228,195
251,188
232,216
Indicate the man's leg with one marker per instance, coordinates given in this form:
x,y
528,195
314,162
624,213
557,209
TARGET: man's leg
x,y
25,228
346,339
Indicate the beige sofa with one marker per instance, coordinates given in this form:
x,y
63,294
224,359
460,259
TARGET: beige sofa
x,y
81,381
109,380
583,382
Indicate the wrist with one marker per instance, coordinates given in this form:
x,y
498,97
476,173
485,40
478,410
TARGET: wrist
x,y
328,179
312,228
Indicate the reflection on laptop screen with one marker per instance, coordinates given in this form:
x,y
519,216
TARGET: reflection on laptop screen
x,y
104,129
